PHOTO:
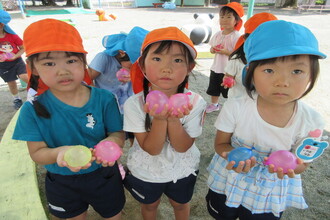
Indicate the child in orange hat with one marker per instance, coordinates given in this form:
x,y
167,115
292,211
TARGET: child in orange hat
x,y
222,44
66,114
164,158
237,59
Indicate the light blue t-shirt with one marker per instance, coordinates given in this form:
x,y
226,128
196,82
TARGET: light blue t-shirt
x,y
69,125
108,67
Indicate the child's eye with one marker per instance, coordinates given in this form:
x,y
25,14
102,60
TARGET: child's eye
x,y
156,58
295,72
72,61
178,60
268,71
49,64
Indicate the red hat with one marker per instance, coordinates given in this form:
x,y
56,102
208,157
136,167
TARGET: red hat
x,y
238,8
51,35
252,23
157,35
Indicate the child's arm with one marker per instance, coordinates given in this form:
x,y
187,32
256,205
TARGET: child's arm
x,y
178,136
93,74
153,141
19,53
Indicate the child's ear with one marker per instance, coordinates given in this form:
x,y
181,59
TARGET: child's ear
x,y
191,67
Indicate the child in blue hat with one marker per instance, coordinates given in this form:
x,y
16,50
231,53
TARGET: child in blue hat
x,y
12,65
282,67
121,50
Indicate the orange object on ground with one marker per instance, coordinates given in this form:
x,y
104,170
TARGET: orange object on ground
x,y
103,16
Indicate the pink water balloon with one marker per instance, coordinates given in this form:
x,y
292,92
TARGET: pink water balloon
x,y
157,97
282,158
177,101
122,74
108,150
228,81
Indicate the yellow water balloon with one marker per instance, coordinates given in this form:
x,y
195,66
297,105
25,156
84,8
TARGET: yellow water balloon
x,y
78,156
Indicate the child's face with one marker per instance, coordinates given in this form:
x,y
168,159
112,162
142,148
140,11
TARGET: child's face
x,y
283,81
59,71
227,21
166,70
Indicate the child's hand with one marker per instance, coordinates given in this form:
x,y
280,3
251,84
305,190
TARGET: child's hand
x,y
163,115
186,111
62,163
243,166
279,171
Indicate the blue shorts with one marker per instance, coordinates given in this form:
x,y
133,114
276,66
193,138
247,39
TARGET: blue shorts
x,y
215,88
217,209
9,70
70,196
148,193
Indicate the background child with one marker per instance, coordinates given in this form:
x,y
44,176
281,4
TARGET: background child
x,y
121,51
164,158
271,118
237,59
222,45
69,113
12,65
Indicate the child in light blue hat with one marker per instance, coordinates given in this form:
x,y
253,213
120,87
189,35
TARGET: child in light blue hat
x,y
121,50
12,65
282,66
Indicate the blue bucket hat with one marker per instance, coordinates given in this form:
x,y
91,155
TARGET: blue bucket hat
x,y
5,19
279,38
130,43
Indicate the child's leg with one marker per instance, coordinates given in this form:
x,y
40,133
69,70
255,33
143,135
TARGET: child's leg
x,y
181,211
23,77
214,91
12,85
149,211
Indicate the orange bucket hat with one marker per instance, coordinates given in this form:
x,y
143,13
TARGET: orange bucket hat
x,y
157,35
238,8
51,35
252,23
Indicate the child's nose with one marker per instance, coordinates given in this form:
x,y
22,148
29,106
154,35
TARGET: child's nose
x,y
281,80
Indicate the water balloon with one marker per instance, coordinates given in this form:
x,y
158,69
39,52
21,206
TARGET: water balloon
x,y
157,97
108,150
122,74
78,156
282,158
240,154
177,101
228,81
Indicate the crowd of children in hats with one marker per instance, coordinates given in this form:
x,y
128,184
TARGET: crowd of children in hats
x,y
274,64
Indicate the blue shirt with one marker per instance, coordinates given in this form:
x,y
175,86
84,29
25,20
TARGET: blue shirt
x,y
69,125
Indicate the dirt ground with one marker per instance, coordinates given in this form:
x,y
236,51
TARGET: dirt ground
x,y
315,179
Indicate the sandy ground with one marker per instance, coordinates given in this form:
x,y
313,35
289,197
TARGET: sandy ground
x,y
316,178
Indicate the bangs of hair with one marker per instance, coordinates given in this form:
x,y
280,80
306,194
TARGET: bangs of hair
x,y
226,10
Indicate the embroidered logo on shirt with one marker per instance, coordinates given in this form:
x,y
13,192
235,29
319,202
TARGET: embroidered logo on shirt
x,y
90,121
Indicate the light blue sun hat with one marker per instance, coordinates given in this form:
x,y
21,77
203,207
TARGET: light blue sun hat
x,y
130,43
5,19
279,38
